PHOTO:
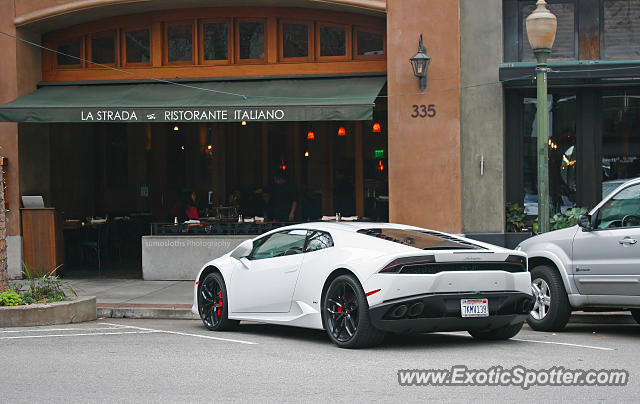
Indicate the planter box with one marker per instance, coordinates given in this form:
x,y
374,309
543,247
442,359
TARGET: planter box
x,y
80,309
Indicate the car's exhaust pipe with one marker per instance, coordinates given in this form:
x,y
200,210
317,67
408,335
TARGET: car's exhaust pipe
x,y
416,309
399,311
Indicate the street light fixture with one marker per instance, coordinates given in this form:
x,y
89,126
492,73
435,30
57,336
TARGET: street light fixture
x,y
541,31
420,63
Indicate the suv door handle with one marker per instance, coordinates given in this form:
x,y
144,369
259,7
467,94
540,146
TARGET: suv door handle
x,y
628,240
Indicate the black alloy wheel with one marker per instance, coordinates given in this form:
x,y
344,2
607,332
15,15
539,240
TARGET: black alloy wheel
x,y
343,308
345,315
212,303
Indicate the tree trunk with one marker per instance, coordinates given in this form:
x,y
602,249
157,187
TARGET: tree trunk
x,y
4,272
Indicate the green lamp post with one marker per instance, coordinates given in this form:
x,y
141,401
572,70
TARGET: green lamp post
x,y
541,31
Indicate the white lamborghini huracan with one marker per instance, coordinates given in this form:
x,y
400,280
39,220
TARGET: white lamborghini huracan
x,y
361,280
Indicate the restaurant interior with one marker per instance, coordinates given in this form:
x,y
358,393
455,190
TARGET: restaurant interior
x,y
113,183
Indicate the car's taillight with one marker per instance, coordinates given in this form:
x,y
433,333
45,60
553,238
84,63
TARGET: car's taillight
x,y
396,265
518,259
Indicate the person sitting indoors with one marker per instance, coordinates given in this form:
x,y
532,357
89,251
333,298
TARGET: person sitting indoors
x,y
186,208
191,207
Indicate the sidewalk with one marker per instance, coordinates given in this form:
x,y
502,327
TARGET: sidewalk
x,y
135,298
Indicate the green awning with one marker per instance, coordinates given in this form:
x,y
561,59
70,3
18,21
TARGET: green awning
x,y
305,99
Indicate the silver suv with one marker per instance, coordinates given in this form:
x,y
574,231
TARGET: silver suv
x,y
593,266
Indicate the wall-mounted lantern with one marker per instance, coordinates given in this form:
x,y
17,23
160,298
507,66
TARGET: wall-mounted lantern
x,y
420,63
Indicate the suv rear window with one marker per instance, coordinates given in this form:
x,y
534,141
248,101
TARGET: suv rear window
x,y
422,239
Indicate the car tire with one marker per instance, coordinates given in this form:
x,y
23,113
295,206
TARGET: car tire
x,y
557,308
505,332
213,304
343,297
636,315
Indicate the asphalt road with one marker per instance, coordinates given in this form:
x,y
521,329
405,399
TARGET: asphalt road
x,y
118,360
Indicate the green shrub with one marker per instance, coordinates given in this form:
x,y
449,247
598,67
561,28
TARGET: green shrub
x,y
561,221
10,298
43,289
515,217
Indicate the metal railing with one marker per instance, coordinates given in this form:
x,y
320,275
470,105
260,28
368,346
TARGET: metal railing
x,y
218,228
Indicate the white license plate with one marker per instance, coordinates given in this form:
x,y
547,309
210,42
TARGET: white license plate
x,y
474,307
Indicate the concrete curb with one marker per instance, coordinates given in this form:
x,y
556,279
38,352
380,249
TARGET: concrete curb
x,y
80,309
161,313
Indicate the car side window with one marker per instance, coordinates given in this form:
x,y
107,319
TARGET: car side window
x,y
318,240
279,244
623,210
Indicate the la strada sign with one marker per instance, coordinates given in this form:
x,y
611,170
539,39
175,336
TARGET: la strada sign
x,y
182,115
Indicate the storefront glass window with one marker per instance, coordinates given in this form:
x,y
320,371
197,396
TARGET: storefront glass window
x,y
103,47
295,40
251,40
564,45
68,50
562,153
370,43
137,46
180,43
620,138
621,29
332,41
216,40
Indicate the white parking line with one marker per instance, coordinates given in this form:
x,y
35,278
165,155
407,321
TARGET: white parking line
x,y
564,343
186,334
57,329
464,334
77,335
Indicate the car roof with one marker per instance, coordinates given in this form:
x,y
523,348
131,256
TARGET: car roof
x,y
351,226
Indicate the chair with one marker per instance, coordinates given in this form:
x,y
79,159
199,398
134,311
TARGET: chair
x,y
95,242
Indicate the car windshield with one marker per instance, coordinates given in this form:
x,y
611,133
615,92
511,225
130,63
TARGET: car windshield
x,y
610,186
422,239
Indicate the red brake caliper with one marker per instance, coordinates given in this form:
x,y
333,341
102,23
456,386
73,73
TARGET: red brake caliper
x,y
220,303
340,308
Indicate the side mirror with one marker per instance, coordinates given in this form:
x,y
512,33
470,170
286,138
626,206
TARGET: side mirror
x,y
243,250
584,221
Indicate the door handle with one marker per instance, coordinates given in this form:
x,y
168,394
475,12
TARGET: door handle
x,y
628,241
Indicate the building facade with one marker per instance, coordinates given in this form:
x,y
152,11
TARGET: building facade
x,y
115,106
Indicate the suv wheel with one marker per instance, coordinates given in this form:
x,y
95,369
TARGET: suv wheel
x,y
551,310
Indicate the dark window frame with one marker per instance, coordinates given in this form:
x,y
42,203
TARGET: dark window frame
x,y
522,36
588,144
590,12
601,37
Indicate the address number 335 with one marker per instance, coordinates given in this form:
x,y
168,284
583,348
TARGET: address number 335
x,y
423,111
